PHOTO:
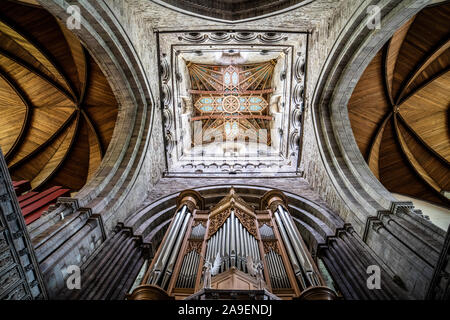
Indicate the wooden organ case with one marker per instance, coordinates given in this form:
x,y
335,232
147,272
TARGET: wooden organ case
x,y
239,235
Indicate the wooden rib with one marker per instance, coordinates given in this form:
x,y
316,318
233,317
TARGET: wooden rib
x,y
424,85
435,168
423,142
42,126
427,111
387,84
26,124
416,166
85,80
31,3
37,72
66,152
374,151
94,131
391,55
36,50
46,143
78,54
423,65
60,155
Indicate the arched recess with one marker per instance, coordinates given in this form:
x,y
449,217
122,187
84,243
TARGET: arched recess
x,y
315,222
326,235
108,43
355,47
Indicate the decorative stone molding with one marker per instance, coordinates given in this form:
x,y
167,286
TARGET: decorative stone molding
x,y
174,44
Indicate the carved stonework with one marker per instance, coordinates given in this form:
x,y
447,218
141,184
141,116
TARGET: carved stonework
x,y
177,49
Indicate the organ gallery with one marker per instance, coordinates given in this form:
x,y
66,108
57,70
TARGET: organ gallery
x,y
232,248
187,152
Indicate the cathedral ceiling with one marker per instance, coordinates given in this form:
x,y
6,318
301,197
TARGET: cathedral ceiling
x,y
57,111
232,10
400,109
232,101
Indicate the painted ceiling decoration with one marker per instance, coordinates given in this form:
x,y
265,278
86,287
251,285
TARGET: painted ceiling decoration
x,y
400,109
232,101
57,111
232,97
232,10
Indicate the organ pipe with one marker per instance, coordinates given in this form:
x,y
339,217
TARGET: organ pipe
x,y
174,235
292,256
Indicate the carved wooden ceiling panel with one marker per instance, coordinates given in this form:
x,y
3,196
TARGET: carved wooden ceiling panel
x,y
400,108
57,111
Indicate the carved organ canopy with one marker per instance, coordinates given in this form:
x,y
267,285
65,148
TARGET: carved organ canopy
x,y
232,246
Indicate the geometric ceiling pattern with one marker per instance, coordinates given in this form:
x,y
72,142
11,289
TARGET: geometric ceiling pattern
x,y
57,111
232,102
232,98
400,109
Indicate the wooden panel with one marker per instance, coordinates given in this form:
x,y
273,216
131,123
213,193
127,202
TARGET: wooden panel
x,y
100,104
60,151
433,166
368,104
393,51
423,37
396,174
426,113
32,49
13,113
43,125
39,91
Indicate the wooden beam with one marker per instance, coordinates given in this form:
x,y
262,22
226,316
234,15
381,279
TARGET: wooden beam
x,y
24,40
37,72
373,157
419,138
415,165
94,131
50,140
230,117
26,124
64,159
430,58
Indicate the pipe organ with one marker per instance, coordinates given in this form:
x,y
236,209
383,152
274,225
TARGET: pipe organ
x,y
237,247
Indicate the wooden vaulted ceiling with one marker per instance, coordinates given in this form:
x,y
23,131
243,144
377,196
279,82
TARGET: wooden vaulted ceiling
x,y
57,111
400,108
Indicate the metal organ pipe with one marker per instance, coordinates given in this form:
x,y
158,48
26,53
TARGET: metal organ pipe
x,y
296,241
292,256
176,248
233,240
167,246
